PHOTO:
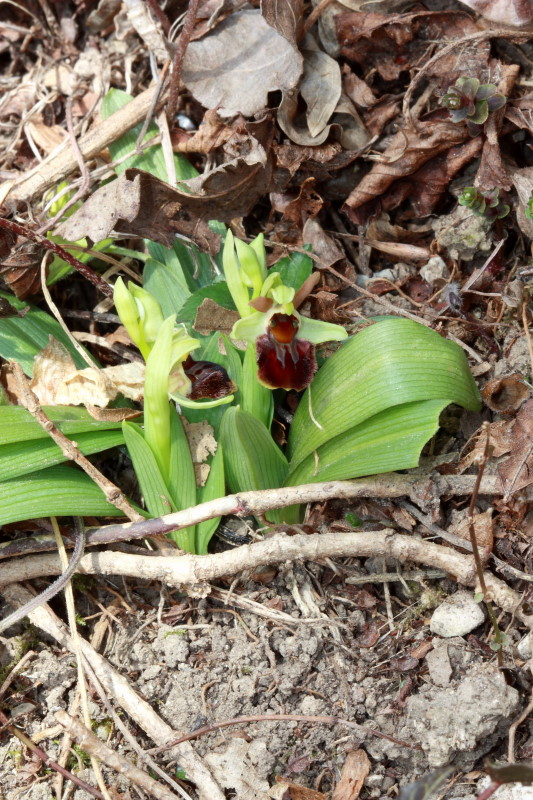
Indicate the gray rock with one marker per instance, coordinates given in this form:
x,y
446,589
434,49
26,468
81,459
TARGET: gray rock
x,y
523,648
509,791
458,718
456,616
435,269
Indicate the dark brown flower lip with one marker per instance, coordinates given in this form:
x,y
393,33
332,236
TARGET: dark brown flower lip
x,y
208,380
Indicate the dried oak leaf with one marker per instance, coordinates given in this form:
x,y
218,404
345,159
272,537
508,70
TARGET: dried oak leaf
x,y
517,471
234,68
504,12
140,204
406,153
354,771
393,45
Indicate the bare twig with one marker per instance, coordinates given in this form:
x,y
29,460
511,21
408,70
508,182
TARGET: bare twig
x,y
112,493
177,61
95,747
513,728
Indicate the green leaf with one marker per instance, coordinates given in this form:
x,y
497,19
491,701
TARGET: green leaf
x,y
21,338
251,458
214,487
56,492
218,292
390,363
18,425
153,488
21,458
167,284
295,269
385,442
256,398
182,480
151,159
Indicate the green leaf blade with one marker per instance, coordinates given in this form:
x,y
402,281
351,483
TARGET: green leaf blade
x,y
154,490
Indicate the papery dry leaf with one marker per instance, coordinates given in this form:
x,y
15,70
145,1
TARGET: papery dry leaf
x,y
102,16
46,137
320,89
395,44
140,204
21,268
483,529
202,444
354,771
292,157
505,394
236,768
306,205
57,381
285,16
212,317
234,68
516,472
505,12
112,414
407,152
522,180
212,133
324,246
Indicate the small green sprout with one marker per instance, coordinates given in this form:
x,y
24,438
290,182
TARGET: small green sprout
x,y
529,207
484,204
470,101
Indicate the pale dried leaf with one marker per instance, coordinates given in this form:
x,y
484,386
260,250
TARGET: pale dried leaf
x,y
483,529
236,768
234,68
46,137
504,12
212,317
285,16
355,769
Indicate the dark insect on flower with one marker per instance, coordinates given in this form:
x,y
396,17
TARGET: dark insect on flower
x,y
283,360
208,380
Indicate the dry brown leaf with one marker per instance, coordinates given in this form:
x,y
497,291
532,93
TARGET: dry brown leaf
x,y
234,68
355,769
522,180
212,317
504,12
57,381
112,414
505,394
202,444
320,89
287,790
21,268
483,529
516,472
285,16
407,152
394,44
46,137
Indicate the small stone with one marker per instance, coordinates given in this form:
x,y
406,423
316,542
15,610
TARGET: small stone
x,y
458,615
523,648
509,791
435,269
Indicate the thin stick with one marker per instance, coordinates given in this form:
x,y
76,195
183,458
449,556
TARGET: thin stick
x,y
177,61
513,728
215,726
475,548
112,493
86,271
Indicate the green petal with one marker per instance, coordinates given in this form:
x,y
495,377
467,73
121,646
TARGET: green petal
x,y
238,290
250,327
315,331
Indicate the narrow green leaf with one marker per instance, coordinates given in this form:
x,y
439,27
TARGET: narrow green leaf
x,y
151,159
182,480
167,285
251,458
21,338
214,487
21,458
17,424
153,488
57,492
387,441
256,398
392,362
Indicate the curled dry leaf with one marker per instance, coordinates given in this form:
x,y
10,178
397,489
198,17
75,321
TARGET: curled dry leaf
x,y
504,12
234,68
522,180
516,472
21,269
393,45
407,152
57,381
505,394
139,204
212,317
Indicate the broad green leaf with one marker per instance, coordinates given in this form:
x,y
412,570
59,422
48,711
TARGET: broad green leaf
x,y
390,363
153,488
385,442
182,480
251,458
214,487
167,285
295,269
18,425
21,338
151,159
54,492
218,292
256,398
21,458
